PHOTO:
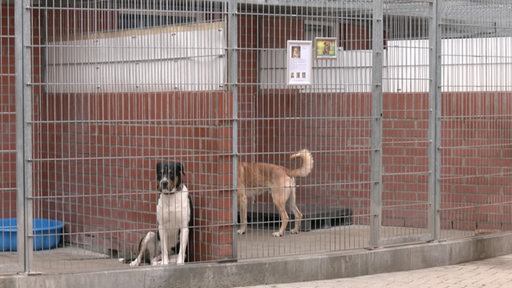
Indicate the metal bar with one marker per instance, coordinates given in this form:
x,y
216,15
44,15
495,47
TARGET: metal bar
x,y
23,133
434,131
376,125
18,46
232,83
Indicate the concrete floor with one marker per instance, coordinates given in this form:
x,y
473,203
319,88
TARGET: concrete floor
x,y
72,267
256,244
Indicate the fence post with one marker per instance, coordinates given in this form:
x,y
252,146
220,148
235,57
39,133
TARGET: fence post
x,y
376,124
23,66
233,88
434,130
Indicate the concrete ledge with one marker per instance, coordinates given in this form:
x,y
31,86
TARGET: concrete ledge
x,y
281,270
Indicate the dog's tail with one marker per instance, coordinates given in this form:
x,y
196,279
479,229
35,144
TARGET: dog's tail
x,y
307,164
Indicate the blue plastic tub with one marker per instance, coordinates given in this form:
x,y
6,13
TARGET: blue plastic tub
x,y
47,234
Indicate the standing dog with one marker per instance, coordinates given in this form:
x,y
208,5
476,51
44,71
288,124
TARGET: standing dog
x,y
173,211
257,178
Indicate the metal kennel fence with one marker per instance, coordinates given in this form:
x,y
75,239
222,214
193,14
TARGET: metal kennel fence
x,y
404,105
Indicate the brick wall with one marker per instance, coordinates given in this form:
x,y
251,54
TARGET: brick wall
x,y
105,149
99,151
476,139
248,79
476,154
7,113
336,128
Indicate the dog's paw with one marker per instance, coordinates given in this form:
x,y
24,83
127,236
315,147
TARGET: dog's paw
x,y
134,264
240,232
277,234
294,231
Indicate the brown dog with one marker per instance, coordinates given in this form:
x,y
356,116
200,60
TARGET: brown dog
x,y
257,178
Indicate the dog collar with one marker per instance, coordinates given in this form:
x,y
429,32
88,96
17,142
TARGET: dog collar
x,y
173,191
169,191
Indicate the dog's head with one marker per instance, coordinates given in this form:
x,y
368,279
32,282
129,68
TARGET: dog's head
x,y
168,175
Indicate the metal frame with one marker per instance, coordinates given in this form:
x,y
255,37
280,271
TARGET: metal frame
x,y
233,87
434,156
23,133
376,123
24,127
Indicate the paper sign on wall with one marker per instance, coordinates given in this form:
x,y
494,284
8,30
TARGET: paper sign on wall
x,y
299,54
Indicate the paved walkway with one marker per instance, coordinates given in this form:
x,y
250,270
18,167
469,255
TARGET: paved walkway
x,y
489,273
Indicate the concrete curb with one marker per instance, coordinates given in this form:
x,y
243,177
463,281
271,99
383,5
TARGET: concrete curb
x,y
281,270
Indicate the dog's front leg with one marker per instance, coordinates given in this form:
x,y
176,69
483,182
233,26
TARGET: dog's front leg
x,y
164,247
183,245
242,206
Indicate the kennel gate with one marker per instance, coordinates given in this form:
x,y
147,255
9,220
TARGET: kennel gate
x,y
106,89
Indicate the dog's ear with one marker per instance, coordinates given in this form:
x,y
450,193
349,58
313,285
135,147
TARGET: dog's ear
x,y
159,171
180,168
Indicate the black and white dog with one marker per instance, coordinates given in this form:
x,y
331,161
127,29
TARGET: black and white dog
x,y
174,216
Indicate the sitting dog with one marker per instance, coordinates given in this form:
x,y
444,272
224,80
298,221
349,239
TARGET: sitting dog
x,y
257,178
176,203
173,211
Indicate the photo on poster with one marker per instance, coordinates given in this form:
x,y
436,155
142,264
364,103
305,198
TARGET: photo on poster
x,y
300,59
325,47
